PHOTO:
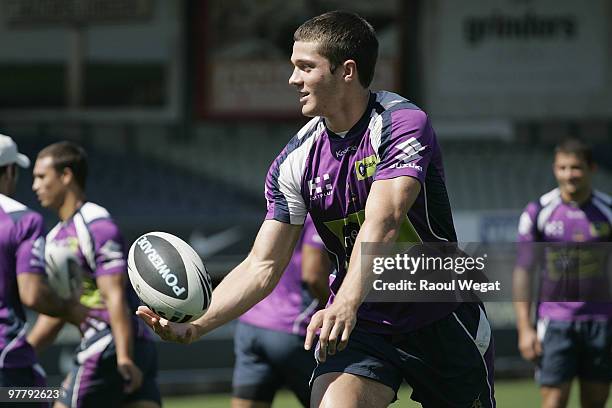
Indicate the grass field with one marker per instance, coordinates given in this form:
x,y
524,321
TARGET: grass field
x,y
510,394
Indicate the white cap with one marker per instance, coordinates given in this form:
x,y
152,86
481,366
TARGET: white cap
x,y
9,153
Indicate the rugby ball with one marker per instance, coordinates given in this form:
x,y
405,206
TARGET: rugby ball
x,y
169,277
63,269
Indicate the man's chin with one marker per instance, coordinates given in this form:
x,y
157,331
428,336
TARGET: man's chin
x,y
309,111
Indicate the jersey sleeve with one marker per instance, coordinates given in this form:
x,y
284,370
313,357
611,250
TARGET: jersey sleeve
x,y
527,236
30,253
283,193
109,248
407,143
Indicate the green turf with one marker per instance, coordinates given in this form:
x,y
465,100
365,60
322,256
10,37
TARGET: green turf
x,y
511,394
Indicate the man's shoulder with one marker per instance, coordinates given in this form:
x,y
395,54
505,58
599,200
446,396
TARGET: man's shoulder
x,y
390,102
602,197
313,128
92,212
10,205
302,141
550,198
16,210
98,220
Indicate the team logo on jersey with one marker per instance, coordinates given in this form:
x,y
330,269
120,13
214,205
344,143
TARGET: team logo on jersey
x,y
554,228
409,154
320,186
366,167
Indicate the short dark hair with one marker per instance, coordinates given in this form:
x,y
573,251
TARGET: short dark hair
x,y
342,36
68,155
577,146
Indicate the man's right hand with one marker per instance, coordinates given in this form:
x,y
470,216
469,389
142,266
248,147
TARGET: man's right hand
x,y
529,345
169,331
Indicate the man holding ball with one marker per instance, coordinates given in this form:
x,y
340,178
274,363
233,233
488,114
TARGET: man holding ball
x,y
367,168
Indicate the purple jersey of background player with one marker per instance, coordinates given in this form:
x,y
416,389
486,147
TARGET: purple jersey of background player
x,y
550,219
22,246
98,248
330,176
290,306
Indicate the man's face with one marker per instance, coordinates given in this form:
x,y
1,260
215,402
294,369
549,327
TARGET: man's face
x,y
573,174
48,185
318,88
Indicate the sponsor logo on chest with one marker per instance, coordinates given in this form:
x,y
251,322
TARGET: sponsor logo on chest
x,y
341,152
366,167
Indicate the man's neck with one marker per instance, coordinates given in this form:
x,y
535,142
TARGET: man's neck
x,y
580,197
349,113
70,206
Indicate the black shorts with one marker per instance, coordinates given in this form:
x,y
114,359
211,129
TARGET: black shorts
x,y
580,349
448,363
94,380
266,360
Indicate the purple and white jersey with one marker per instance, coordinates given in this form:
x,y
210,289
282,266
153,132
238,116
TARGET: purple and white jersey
x,y
330,176
290,306
97,247
552,220
22,249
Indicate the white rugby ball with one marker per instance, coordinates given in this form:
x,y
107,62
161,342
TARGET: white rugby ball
x,y
169,277
63,269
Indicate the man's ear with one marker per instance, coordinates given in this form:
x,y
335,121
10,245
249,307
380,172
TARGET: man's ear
x,y
67,176
349,71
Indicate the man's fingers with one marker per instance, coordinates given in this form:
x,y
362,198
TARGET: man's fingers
x,y
311,330
321,352
324,337
346,333
147,315
134,380
335,332
127,377
538,348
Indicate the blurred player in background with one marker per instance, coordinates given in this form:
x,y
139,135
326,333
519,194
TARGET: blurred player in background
x,y
115,364
269,339
22,277
573,339
367,168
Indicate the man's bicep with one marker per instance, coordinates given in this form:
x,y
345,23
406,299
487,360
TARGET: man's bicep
x,y
111,284
275,242
392,197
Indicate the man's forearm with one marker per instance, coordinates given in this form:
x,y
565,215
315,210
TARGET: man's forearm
x,y
357,283
44,332
36,294
523,318
237,293
121,325
522,296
